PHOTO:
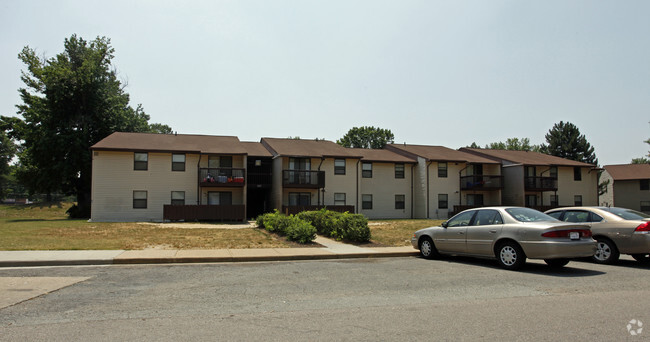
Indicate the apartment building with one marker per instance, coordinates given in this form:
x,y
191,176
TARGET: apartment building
x,y
628,186
542,181
448,181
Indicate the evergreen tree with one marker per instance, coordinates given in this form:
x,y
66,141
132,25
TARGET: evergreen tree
x,y
565,141
367,137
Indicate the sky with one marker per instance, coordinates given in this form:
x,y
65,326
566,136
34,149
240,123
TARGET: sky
x,y
433,72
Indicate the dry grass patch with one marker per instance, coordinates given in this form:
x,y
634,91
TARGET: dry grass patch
x,y
397,232
42,227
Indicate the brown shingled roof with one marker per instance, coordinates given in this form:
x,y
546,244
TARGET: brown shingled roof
x,y
121,141
375,155
629,171
439,153
307,148
256,149
525,157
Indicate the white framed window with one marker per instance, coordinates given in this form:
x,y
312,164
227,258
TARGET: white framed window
x,y
141,161
339,198
178,161
139,199
366,202
178,198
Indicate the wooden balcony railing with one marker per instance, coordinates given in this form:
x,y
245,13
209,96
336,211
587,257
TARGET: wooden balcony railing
x,y
303,179
222,177
204,212
481,182
540,183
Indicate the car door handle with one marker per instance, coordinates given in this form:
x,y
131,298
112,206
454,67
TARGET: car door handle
x,y
493,231
461,233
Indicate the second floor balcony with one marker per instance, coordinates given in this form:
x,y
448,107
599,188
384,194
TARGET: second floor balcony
x,y
222,177
303,179
540,183
481,182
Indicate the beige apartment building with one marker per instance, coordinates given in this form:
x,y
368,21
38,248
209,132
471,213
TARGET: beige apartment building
x,y
542,181
448,181
157,177
628,186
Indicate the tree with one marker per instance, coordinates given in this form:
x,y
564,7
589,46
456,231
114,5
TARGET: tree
x,y
70,102
565,141
643,160
513,144
367,137
7,153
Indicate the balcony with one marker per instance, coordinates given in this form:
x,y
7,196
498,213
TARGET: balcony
x,y
303,179
204,212
540,183
222,177
481,182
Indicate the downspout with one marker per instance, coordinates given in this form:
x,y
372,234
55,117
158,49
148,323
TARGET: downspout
x,y
322,159
198,180
428,195
356,207
412,206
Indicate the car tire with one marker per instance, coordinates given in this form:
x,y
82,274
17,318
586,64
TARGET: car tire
x,y
642,258
427,248
556,263
510,255
606,252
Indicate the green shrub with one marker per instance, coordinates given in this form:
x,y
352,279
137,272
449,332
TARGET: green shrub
x,y
354,228
340,226
294,228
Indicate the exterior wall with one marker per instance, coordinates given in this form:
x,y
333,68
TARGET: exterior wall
x,y
513,185
567,187
383,186
276,184
627,194
420,189
346,183
441,185
607,199
114,181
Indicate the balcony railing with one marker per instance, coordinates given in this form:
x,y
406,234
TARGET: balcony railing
x,y
481,182
204,212
222,177
294,209
540,183
303,179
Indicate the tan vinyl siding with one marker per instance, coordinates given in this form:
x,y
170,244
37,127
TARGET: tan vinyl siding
x,y
383,186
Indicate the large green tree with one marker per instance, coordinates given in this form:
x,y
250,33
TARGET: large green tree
x,y
367,137
7,153
70,102
642,160
564,140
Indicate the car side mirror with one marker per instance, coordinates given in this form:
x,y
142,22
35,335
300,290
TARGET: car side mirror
x,y
445,224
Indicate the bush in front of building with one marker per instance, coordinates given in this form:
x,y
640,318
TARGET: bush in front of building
x,y
294,228
340,226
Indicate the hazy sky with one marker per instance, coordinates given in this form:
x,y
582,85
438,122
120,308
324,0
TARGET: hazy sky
x,y
434,72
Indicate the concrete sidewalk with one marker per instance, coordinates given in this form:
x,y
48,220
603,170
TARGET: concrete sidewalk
x,y
331,250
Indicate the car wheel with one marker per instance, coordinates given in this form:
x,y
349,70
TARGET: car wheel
x,y
510,256
644,258
606,252
427,248
556,263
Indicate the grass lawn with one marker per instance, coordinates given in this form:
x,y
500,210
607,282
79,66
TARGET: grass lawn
x,y
46,227
397,232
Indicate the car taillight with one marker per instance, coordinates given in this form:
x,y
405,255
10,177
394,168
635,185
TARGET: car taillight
x,y
643,228
585,233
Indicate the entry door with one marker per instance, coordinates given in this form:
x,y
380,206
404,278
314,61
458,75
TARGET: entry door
x,y
481,234
452,238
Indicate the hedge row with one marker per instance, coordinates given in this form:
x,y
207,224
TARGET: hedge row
x,y
340,226
294,228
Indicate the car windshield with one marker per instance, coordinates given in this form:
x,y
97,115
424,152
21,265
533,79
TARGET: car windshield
x,y
627,214
528,215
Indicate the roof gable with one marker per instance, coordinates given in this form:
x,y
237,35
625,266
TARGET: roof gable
x,y
307,148
123,141
439,153
525,157
628,171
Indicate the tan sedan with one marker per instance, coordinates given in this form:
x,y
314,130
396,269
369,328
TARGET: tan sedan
x,y
509,234
617,230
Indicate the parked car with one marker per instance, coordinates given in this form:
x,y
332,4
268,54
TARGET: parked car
x,y
617,230
509,234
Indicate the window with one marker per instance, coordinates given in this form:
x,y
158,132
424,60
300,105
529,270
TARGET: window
x,y
475,170
339,166
461,219
644,184
554,201
645,206
594,217
400,201
487,217
577,199
442,169
366,170
475,199
178,197
531,200
299,198
299,164
220,198
577,173
556,214
443,201
139,199
576,216
178,162
531,171
399,170
366,201
141,161
339,199
553,172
